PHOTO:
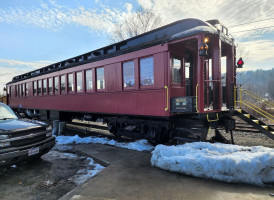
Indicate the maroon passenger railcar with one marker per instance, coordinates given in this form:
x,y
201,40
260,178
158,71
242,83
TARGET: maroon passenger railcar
x,y
165,83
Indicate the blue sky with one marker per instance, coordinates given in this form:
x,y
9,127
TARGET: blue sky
x,y
36,33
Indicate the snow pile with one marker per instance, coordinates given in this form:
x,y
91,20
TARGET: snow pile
x,y
140,145
84,174
53,155
224,162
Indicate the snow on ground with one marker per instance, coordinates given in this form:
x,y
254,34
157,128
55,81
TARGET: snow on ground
x,y
224,162
60,155
84,174
140,145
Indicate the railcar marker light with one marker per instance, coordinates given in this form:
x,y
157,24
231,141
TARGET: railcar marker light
x,y
206,40
203,49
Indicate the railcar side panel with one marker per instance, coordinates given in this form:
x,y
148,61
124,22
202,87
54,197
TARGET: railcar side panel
x,y
145,102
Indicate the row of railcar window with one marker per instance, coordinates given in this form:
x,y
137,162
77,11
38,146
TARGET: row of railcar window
x,y
68,81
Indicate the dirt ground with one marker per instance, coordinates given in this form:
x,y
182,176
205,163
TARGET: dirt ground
x,y
46,178
250,139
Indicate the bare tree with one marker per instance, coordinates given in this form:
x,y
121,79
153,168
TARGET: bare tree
x,y
141,21
270,89
242,51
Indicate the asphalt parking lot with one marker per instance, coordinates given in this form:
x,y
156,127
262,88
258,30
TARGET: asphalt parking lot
x,y
129,175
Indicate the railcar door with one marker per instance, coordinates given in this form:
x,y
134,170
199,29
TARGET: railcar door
x,y
188,73
182,73
182,80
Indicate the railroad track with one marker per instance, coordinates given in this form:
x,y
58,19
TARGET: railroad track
x,y
244,127
86,129
89,125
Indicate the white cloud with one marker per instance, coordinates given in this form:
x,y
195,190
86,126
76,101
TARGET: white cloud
x,y
229,12
11,68
261,49
261,54
146,4
54,16
128,7
34,64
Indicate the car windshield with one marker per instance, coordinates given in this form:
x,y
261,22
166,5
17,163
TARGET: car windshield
x,y
6,113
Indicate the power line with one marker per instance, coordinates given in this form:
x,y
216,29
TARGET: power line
x,y
253,29
250,22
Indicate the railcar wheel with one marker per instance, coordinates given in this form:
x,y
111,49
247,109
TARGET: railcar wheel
x,y
163,136
116,131
158,135
112,128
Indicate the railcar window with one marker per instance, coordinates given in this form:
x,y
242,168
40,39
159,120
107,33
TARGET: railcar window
x,y
44,86
27,89
187,66
100,78
79,81
23,90
146,71
50,85
19,90
34,87
70,83
39,87
56,84
10,91
63,83
89,85
128,74
176,71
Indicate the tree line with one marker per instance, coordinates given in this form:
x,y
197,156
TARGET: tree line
x,y
261,82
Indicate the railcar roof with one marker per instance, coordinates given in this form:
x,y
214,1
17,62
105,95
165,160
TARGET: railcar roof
x,y
170,32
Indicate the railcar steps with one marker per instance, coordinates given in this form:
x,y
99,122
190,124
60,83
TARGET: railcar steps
x,y
256,123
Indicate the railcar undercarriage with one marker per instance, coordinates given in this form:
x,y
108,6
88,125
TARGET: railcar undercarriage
x,y
185,128
159,130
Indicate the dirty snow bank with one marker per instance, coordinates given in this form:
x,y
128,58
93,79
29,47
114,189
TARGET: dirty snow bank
x,y
54,155
140,145
84,174
224,162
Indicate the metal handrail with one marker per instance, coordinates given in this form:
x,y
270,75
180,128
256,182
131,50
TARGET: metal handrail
x,y
235,94
258,110
197,98
213,120
252,106
166,108
257,97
